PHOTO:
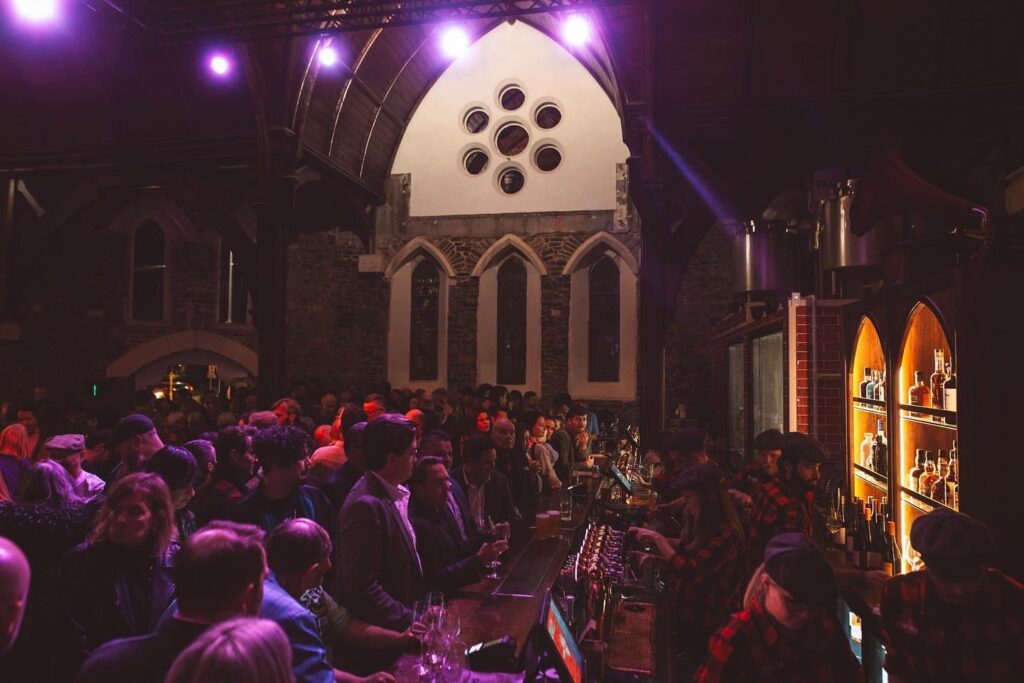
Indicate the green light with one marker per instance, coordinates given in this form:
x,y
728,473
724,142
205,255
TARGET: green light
x,y
95,390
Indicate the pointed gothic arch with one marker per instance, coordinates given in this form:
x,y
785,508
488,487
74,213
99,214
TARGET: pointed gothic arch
x,y
505,245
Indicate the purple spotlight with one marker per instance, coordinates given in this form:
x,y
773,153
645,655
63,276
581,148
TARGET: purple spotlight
x,y
220,64
36,11
328,56
576,31
454,41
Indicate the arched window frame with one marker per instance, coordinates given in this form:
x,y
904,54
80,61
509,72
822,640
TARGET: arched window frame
x,y
578,270
508,246
400,273
135,270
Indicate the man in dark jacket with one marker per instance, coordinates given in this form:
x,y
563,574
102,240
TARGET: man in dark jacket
x,y
449,561
219,575
378,574
487,490
341,482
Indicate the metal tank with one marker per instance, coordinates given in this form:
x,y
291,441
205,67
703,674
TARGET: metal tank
x,y
766,257
839,248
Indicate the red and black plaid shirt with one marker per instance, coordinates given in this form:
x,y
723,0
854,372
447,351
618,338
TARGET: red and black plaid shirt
x,y
752,647
710,581
927,641
747,480
778,508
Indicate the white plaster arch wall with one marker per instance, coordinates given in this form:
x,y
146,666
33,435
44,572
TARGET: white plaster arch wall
x,y
589,134
140,356
504,244
487,323
578,268
399,273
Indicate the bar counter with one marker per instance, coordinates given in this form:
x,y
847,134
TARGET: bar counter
x,y
485,616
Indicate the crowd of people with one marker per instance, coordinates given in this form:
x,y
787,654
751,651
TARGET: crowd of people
x,y
212,541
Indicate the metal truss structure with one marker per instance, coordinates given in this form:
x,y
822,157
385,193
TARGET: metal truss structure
x,y
186,21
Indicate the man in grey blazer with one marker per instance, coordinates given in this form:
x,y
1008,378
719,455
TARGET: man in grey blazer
x,y
378,575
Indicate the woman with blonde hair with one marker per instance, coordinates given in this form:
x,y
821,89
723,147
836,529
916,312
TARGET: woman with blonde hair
x,y
118,583
242,650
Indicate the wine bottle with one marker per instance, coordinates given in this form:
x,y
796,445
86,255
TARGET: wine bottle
x,y
851,530
890,551
860,539
872,554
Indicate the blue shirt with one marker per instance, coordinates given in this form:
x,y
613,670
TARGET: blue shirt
x,y
309,659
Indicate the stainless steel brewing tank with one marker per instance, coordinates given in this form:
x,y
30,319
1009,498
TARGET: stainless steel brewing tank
x,y
838,246
766,257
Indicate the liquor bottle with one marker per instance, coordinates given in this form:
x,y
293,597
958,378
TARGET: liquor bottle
x,y
919,394
840,537
865,448
917,470
860,539
864,384
870,388
949,390
881,449
851,529
929,476
954,477
938,380
880,387
890,558
872,552
878,538
940,489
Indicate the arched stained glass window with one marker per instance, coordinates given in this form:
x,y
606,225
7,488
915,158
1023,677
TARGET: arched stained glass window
x,y
512,322
603,332
425,312
148,268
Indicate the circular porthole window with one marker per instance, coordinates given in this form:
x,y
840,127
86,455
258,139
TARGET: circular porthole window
x,y
511,139
547,158
476,120
475,161
512,97
511,180
548,116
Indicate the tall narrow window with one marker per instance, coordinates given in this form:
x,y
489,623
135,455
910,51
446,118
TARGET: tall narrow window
x,y
603,333
234,292
768,382
425,319
512,322
148,273
737,410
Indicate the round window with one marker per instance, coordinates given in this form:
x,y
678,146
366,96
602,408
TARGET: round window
x,y
512,98
476,120
548,158
475,161
511,180
548,116
512,139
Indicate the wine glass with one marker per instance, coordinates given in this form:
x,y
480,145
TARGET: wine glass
x,y
500,534
435,609
454,668
450,626
421,614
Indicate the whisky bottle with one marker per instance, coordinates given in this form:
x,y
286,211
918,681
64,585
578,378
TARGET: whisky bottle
x,y
865,448
864,384
919,395
938,380
890,558
917,470
949,390
940,489
929,476
954,477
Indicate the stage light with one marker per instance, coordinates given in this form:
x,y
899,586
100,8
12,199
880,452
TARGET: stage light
x,y
36,11
454,41
220,64
328,56
576,31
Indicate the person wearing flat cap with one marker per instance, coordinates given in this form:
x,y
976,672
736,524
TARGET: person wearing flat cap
x,y
788,631
67,450
708,560
786,502
958,619
134,441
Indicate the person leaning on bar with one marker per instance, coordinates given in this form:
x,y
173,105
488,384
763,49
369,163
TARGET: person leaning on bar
x,y
958,619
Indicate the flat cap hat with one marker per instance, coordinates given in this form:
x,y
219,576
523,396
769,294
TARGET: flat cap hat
x,y
698,477
794,562
68,443
944,535
797,447
131,425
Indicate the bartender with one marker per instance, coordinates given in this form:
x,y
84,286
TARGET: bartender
x,y
958,619
708,560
